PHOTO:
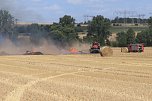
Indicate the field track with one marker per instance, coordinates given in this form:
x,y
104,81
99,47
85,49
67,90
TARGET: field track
x,y
122,77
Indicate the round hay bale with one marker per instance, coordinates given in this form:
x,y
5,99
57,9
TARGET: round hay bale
x,y
124,50
106,51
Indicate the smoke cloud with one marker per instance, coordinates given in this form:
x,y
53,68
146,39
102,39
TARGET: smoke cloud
x,y
23,44
20,11
7,47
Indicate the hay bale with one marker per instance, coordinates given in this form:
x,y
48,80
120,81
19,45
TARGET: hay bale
x,y
106,51
124,50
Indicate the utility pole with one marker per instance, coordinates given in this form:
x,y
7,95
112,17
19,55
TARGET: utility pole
x,y
87,18
132,16
140,17
124,14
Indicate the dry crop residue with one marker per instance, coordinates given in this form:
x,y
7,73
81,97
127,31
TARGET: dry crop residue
x,y
122,77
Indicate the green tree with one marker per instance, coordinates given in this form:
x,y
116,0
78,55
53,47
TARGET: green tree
x,y
145,37
57,34
122,39
37,32
78,28
130,36
150,22
7,23
64,31
68,29
67,21
149,38
99,29
142,37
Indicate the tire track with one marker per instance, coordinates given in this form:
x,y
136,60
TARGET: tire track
x,y
98,89
54,96
81,75
17,94
2,64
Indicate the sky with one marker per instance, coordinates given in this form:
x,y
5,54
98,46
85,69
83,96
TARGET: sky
x,y
48,11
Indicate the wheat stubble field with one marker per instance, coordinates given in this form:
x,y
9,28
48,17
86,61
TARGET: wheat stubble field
x,y
122,77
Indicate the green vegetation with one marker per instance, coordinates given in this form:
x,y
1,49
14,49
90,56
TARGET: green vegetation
x,y
145,37
116,29
98,29
129,20
150,22
130,36
121,39
7,24
65,32
125,38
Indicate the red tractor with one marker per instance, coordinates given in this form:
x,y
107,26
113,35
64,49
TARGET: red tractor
x,y
136,48
95,48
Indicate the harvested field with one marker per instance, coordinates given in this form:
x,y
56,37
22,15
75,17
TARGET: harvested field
x,y
86,77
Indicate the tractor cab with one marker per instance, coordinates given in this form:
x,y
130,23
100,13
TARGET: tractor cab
x,y
95,48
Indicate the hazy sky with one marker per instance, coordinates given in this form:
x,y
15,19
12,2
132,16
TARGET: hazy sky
x,y
52,10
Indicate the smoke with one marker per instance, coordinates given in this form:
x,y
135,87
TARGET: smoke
x,y
20,11
82,47
7,4
7,47
23,44
47,47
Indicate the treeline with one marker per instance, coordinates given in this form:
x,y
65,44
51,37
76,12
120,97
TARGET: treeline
x,y
129,37
65,32
61,33
129,20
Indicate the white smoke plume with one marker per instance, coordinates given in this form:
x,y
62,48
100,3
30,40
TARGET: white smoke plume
x,y
20,11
